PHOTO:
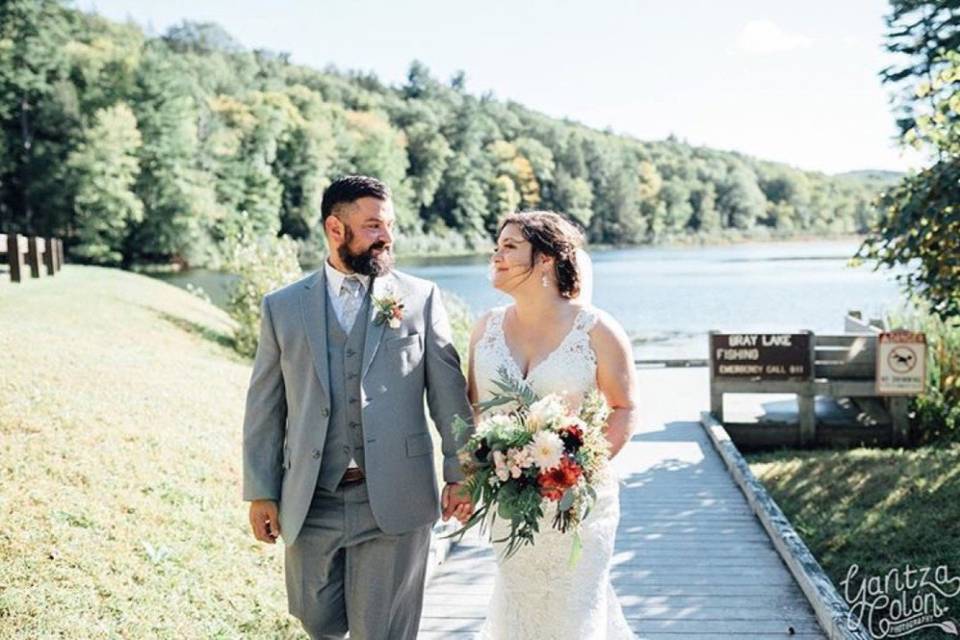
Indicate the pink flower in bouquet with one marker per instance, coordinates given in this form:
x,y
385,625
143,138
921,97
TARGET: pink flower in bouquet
x,y
500,466
518,459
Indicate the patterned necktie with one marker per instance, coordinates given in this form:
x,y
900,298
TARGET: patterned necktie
x,y
350,292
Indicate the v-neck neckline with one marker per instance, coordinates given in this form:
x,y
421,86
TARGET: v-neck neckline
x,y
532,368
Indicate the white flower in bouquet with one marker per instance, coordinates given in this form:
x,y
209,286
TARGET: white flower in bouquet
x,y
546,413
546,450
498,423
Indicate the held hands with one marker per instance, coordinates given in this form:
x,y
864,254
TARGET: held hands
x,y
455,501
264,520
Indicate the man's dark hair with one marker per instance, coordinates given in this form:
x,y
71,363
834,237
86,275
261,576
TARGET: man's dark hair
x,y
349,189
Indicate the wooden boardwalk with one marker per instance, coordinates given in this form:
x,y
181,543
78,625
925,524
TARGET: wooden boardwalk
x,y
692,560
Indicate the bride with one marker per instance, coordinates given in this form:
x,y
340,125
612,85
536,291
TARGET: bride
x,y
554,342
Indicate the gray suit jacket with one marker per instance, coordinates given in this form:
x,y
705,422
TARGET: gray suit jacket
x,y
288,403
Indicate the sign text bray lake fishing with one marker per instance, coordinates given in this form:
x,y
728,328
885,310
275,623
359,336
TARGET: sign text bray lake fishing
x,y
761,355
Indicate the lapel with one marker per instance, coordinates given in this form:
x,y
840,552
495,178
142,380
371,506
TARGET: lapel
x,y
380,286
313,305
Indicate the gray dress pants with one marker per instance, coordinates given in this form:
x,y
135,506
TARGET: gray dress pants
x,y
344,574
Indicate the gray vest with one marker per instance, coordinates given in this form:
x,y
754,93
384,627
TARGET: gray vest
x,y
345,429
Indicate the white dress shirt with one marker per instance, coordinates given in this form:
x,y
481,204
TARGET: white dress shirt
x,y
334,282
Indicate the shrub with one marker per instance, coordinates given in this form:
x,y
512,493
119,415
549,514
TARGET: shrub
x,y
261,265
937,410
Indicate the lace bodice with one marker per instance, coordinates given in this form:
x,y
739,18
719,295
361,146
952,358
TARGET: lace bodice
x,y
537,592
570,369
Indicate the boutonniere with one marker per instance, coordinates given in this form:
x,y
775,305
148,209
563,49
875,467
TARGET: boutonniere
x,y
389,310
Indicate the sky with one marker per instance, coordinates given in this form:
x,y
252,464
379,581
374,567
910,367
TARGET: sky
x,y
794,82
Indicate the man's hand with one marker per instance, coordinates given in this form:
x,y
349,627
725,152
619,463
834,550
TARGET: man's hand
x,y
264,520
456,502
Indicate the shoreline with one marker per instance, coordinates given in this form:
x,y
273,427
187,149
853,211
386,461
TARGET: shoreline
x,y
676,243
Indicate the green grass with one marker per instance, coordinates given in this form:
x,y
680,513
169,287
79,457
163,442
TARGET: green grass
x,y
121,407
878,508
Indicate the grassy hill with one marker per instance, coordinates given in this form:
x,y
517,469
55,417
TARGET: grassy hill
x,y
878,508
121,407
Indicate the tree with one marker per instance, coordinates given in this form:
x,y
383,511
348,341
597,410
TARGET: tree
x,y
420,84
104,167
511,165
706,218
429,152
920,33
504,197
201,37
741,202
919,223
305,161
179,200
381,150
574,197
33,39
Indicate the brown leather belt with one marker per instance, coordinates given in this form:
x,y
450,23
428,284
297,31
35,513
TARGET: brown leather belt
x,y
353,475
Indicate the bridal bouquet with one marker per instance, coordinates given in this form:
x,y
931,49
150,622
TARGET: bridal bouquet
x,y
540,452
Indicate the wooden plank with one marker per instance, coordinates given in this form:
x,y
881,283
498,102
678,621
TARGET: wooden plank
x,y
844,388
846,370
846,340
727,385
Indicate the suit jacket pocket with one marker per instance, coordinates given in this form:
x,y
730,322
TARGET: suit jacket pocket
x,y
403,341
419,444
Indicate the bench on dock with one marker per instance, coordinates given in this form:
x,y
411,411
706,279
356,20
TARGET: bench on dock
x,y
842,367
39,254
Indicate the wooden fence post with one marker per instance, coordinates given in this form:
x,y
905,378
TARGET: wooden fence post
x,y
34,247
806,401
49,255
899,420
14,257
716,396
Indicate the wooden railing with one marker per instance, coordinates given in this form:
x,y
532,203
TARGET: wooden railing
x,y
21,252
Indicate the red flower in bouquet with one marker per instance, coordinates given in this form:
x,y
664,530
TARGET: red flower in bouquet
x,y
554,482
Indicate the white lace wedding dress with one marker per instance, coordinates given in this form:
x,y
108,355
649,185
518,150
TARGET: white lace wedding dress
x,y
537,594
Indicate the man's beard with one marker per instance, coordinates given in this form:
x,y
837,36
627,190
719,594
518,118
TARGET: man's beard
x,y
365,263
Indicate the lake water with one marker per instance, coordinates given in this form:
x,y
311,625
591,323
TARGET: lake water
x,y
669,298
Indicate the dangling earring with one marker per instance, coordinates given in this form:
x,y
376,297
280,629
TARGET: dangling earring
x,y
544,281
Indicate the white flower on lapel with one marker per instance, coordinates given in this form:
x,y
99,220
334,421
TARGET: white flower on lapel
x,y
389,309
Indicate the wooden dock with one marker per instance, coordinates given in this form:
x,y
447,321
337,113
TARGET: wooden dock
x,y
692,560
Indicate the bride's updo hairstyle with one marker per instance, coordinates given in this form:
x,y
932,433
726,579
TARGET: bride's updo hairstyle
x,y
550,234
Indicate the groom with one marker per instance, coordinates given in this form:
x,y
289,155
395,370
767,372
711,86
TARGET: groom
x,y
337,456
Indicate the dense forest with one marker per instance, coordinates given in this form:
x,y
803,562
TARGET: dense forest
x,y
138,148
